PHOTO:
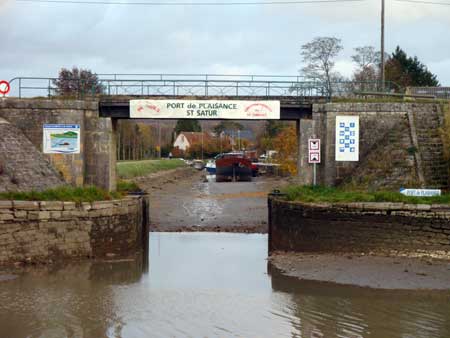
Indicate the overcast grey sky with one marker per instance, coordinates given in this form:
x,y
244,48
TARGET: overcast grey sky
x,y
38,39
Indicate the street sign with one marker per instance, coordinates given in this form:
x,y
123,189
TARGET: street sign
x,y
314,157
314,144
421,192
4,87
314,150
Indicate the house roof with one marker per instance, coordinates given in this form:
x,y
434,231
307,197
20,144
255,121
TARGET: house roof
x,y
195,137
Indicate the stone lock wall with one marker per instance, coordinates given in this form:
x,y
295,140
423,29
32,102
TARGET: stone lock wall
x,y
371,228
22,166
32,231
95,165
400,146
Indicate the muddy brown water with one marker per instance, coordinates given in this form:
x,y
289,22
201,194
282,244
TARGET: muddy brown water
x,y
207,285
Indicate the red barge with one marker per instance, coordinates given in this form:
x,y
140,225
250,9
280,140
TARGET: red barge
x,y
234,167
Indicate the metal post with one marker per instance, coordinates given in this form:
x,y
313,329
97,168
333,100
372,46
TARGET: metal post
x,y
314,175
299,155
382,46
239,139
20,88
159,139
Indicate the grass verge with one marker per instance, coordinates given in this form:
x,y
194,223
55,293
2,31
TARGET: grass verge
x,y
85,194
334,195
127,187
130,169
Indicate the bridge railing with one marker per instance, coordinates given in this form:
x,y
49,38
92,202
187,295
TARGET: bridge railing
x,y
190,85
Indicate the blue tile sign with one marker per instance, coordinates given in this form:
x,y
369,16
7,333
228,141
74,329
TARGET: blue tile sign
x,y
61,138
347,138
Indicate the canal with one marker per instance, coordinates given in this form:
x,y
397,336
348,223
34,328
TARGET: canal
x,y
206,285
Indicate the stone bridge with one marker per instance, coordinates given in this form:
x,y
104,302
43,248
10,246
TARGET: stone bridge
x,y
400,143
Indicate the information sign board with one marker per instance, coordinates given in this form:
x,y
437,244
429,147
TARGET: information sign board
x,y
61,138
347,138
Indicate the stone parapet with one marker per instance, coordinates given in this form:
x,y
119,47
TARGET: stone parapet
x,y
42,231
33,103
368,228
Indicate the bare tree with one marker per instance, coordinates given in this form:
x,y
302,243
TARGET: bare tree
x,y
319,56
368,62
366,56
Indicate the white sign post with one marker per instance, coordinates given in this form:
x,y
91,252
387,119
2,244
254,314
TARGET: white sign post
x,y
347,138
205,109
61,139
314,155
421,192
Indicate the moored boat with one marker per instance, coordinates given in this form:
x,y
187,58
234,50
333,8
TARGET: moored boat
x,y
233,167
198,164
211,167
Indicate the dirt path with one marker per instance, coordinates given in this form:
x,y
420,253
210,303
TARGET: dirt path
x,y
184,200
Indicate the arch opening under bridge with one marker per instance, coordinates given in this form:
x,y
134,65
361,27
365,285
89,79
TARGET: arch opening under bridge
x,y
174,108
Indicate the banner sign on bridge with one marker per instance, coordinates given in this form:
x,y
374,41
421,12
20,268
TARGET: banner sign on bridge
x,y
205,109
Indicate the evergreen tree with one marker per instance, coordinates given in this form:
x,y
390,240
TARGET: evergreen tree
x,y
408,71
187,125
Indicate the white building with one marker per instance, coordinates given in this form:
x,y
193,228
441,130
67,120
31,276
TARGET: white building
x,y
185,139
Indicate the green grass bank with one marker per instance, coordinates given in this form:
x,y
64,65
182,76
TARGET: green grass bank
x,y
130,169
69,194
336,195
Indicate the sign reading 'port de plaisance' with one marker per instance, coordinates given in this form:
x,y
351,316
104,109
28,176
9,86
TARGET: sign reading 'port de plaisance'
x,y
205,109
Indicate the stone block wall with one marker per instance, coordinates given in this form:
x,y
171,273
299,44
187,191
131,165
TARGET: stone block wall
x,y
22,166
399,146
96,162
370,228
34,232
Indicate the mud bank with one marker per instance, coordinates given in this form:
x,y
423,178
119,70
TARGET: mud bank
x,y
185,200
395,273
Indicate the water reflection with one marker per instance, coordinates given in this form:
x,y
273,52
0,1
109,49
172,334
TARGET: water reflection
x,y
329,310
207,285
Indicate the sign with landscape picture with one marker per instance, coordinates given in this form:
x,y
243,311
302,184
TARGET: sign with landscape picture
x,y
205,109
61,139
